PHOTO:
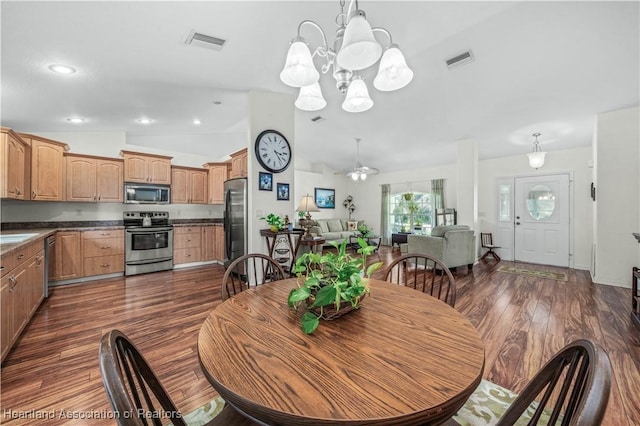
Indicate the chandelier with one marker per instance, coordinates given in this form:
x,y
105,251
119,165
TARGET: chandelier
x,y
354,49
536,157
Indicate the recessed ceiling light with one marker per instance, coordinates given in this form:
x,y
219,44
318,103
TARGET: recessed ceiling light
x,y
76,120
196,121
62,69
145,121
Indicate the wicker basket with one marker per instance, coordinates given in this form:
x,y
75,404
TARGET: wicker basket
x,y
330,312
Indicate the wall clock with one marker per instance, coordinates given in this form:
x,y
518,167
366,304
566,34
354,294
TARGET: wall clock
x,y
273,151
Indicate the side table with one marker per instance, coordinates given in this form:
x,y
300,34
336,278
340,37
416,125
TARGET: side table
x,y
292,244
372,240
314,244
399,238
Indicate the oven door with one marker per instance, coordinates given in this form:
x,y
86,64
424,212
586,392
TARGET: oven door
x,y
143,243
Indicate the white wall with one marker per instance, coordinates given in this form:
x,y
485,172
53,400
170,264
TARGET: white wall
x,y
617,178
307,181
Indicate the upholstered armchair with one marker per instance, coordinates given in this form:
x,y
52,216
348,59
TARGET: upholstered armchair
x,y
453,244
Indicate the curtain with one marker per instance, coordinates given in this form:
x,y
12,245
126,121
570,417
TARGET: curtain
x,y
437,194
384,214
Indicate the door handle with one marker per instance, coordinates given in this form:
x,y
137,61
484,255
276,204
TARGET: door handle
x,y
517,223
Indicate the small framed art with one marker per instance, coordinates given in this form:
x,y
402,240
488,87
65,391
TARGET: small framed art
x,y
265,181
325,198
282,191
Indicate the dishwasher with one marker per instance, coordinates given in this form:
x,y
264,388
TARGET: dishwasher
x,y
49,246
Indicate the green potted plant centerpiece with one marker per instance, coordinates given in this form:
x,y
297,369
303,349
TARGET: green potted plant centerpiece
x,y
274,221
331,284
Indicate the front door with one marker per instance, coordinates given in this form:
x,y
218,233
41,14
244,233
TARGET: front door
x,y
542,219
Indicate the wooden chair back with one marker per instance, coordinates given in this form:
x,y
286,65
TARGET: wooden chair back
x,y
133,389
250,270
572,388
425,273
486,240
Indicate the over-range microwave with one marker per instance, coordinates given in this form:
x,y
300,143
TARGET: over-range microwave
x,y
143,193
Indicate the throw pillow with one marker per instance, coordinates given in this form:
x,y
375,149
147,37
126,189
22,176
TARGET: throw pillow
x,y
334,225
352,226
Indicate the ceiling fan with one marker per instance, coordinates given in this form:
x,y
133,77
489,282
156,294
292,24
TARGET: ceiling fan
x,y
359,172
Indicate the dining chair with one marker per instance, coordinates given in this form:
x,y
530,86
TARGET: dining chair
x,y
572,388
425,273
486,240
136,394
250,270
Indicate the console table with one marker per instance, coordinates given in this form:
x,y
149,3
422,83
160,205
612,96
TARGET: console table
x,y
399,238
290,240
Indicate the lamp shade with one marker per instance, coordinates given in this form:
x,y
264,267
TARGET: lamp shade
x,y
307,205
536,159
359,49
299,70
393,73
357,99
310,98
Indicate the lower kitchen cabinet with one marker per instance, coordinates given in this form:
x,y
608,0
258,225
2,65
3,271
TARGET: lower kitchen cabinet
x,y
187,244
208,243
219,243
21,292
103,252
68,256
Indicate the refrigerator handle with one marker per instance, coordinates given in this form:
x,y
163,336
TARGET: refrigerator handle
x,y
227,225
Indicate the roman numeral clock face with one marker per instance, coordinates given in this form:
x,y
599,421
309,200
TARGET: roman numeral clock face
x,y
273,151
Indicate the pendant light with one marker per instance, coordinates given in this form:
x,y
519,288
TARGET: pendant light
x,y
536,157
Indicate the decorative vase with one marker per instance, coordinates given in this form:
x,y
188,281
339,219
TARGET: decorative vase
x,y
274,228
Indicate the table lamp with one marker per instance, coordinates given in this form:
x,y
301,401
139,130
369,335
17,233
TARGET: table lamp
x,y
307,205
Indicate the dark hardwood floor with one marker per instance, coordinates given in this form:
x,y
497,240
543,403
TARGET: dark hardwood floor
x,y
53,369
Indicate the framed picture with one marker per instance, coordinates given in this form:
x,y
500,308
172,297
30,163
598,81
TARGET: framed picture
x,y
283,191
265,181
325,198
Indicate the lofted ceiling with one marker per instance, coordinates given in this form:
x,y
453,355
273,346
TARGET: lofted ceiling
x,y
547,67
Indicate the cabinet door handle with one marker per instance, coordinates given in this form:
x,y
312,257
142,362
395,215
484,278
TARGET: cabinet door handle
x,y
18,191
105,234
105,265
20,256
33,195
105,247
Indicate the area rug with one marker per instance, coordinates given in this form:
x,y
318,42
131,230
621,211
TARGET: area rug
x,y
558,276
484,407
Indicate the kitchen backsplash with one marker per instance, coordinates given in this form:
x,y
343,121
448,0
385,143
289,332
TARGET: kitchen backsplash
x,y
40,211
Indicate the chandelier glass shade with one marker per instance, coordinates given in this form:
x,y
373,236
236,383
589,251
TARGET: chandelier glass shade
x,y
536,157
354,49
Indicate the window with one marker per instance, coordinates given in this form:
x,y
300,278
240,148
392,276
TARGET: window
x,y
411,212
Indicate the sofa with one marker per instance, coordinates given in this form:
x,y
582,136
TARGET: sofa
x,y
334,229
455,245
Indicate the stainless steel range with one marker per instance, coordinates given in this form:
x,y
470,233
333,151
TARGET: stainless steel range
x,y
148,242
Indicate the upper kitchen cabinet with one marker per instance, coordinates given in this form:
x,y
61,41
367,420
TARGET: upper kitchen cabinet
x,y
94,179
47,168
238,164
146,168
188,185
218,173
15,168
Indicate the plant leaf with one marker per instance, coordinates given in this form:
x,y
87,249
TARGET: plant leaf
x,y
325,296
298,295
309,323
373,267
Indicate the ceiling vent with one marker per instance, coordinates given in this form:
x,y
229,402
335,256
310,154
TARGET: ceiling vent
x,y
459,60
317,118
203,40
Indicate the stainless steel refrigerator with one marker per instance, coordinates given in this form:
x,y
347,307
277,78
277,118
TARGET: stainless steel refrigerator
x,y
235,219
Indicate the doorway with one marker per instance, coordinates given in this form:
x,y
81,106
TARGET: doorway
x,y
533,219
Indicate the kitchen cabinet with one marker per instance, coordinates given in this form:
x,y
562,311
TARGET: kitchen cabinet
x,y
146,168
15,170
68,256
219,243
103,252
21,292
218,173
187,244
239,164
189,185
94,179
47,168
208,243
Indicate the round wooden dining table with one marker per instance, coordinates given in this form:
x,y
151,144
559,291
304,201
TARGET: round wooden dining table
x,y
403,358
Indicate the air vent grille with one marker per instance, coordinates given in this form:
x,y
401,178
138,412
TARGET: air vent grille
x,y
206,41
317,118
459,60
